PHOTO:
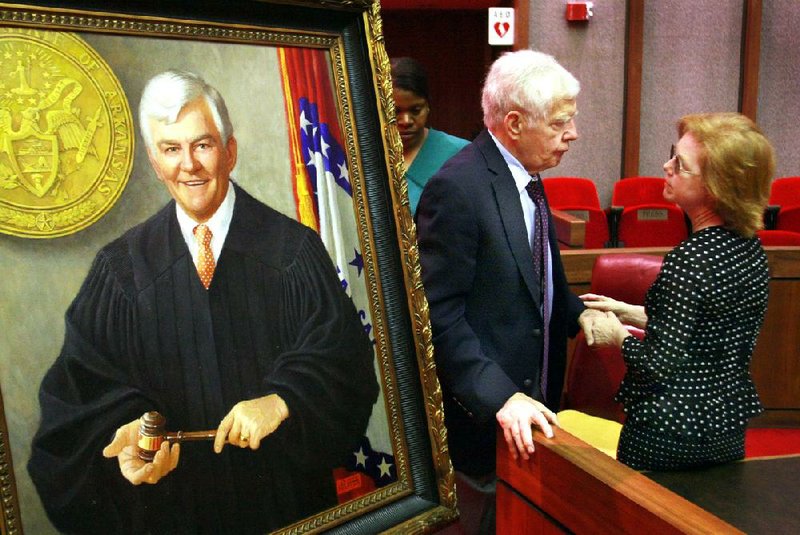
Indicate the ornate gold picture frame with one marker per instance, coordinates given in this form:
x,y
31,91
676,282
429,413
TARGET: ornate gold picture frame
x,y
239,47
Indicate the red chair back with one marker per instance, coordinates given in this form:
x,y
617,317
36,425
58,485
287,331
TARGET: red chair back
x,y
785,191
638,190
625,276
652,225
594,374
578,197
788,219
570,191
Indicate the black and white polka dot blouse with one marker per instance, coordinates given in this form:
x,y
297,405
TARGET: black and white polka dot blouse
x,y
688,381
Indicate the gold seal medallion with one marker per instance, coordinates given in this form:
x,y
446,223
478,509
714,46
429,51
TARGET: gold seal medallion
x,y
66,134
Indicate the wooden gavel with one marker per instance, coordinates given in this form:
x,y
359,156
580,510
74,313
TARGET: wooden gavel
x,y
152,435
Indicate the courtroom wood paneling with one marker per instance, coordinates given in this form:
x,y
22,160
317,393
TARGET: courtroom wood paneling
x,y
757,495
520,516
634,39
776,361
751,51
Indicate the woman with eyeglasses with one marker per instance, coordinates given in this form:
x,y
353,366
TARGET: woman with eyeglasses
x,y
424,149
687,390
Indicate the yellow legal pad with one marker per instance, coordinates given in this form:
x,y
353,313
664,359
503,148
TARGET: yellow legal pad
x,y
601,433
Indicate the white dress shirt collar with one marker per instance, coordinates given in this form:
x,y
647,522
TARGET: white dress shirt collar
x,y
219,224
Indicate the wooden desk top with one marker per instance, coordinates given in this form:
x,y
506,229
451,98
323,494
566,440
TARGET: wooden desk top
x,y
760,495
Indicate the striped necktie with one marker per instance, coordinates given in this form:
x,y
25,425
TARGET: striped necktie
x,y
536,193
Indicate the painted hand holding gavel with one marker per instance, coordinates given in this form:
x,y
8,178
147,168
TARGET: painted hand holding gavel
x,y
246,425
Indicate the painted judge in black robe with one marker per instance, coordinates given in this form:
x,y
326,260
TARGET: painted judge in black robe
x,y
144,334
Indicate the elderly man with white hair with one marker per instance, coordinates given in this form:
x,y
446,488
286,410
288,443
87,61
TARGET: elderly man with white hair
x,y
500,307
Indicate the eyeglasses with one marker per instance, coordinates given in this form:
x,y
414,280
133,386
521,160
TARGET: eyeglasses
x,y
677,165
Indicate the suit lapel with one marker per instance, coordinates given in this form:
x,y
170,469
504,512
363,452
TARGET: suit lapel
x,y
508,206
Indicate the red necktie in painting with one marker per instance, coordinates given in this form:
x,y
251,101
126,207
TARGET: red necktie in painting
x,y
540,232
205,257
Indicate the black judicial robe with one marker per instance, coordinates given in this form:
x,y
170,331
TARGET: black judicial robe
x,y
143,334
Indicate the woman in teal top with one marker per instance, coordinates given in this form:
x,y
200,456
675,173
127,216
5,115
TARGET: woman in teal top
x,y
424,149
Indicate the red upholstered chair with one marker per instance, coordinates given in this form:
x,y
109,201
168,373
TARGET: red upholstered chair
x,y
779,237
639,215
783,212
785,191
638,190
594,374
567,190
651,225
578,197
625,276
788,219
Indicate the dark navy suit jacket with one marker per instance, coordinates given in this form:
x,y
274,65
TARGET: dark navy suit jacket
x,y
477,270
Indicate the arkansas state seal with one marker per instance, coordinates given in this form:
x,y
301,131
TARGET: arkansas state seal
x,y
66,134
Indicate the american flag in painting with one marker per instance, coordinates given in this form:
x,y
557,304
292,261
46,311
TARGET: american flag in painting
x,y
376,464
326,167
324,199
322,147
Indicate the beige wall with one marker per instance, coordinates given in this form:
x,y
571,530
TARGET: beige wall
x,y
779,82
594,53
686,70
691,63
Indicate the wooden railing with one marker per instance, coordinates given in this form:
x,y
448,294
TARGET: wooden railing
x,y
571,230
568,486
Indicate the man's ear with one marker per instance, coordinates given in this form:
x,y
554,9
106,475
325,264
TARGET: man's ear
x,y
513,123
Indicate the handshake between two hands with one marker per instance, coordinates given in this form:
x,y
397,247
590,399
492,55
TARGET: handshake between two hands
x,y
602,321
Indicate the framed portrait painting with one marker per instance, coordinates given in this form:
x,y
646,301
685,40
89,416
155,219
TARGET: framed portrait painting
x,y
308,90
